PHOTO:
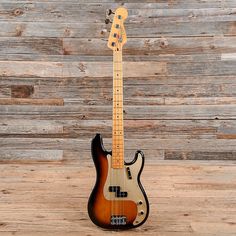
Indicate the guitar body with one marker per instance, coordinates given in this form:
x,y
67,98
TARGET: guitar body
x,y
118,200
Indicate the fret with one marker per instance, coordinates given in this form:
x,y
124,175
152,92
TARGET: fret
x,y
117,118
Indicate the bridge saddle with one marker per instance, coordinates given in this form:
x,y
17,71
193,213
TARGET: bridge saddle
x,y
118,220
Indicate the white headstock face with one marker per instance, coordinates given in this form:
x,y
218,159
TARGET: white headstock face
x,y
117,37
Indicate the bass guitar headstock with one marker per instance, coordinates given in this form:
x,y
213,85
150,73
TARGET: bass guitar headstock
x,y
117,37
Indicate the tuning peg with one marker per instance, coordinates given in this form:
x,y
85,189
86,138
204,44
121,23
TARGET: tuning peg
x,y
110,12
107,21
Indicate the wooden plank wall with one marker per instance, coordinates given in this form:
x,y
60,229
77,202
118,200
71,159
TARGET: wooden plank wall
x,y
179,77
180,109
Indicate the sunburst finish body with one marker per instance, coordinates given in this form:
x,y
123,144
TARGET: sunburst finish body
x,y
103,204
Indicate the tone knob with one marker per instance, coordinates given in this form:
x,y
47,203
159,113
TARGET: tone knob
x,y
141,212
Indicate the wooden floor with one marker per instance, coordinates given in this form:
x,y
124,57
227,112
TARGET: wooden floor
x,y
186,197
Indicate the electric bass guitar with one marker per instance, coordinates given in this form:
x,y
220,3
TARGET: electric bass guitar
x,y
118,200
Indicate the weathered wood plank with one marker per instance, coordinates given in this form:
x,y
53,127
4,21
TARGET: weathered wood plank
x,y
27,156
45,127
5,91
134,95
104,69
154,101
194,186
21,91
211,68
21,45
149,94
226,132
137,92
131,112
151,46
228,56
78,69
98,47
99,30
98,232
77,12
149,143
130,4
87,128
75,58
198,155
35,101
106,82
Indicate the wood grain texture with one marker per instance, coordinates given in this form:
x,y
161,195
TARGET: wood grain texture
x,y
179,74
186,197
179,108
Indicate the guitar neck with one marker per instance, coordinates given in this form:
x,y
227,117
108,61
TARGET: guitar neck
x,y
117,128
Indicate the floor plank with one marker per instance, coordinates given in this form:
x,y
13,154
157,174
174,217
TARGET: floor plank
x,y
186,198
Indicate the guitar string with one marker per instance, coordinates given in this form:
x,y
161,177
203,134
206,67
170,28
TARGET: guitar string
x,y
123,149
118,119
113,137
122,120
122,132
117,142
121,128
118,75
120,109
